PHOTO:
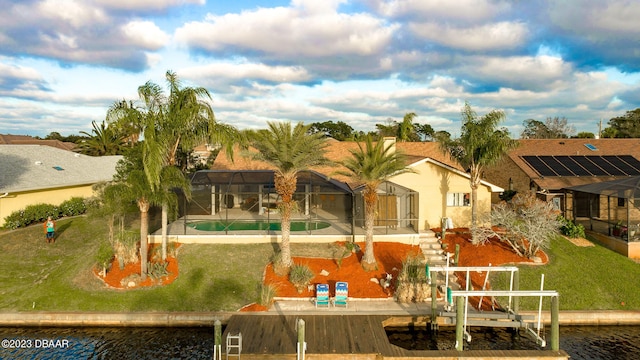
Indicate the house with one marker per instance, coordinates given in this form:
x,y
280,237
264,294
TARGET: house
x,y
548,166
411,202
34,174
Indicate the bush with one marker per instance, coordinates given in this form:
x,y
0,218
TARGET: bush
x,y
412,284
267,293
157,270
104,256
38,213
568,228
300,276
31,214
73,207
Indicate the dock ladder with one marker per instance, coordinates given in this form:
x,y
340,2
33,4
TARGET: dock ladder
x,y
234,345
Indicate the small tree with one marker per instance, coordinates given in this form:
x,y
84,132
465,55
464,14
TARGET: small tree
x,y
528,224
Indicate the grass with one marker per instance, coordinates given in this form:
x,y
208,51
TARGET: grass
x,y
587,278
36,276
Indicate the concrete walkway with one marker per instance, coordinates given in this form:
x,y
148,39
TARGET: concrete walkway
x,y
355,307
285,307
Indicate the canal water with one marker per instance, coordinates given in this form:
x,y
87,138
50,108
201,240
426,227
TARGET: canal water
x,y
603,342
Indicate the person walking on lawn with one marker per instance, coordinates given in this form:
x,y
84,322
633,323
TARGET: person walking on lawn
x,y
50,230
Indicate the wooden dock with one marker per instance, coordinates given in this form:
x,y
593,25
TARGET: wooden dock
x,y
349,337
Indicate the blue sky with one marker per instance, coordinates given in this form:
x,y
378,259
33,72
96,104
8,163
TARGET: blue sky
x,y
64,62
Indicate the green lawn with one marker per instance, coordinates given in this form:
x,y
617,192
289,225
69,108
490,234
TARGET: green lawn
x,y
36,276
587,278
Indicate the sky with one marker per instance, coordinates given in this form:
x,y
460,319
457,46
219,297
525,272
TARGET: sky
x,y
363,62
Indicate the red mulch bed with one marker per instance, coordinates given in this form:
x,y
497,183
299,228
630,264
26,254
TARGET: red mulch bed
x,y
115,276
389,257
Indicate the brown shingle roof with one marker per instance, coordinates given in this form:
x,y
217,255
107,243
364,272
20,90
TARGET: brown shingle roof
x,y
28,140
336,152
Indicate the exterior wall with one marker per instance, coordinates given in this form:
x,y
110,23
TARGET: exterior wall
x,y
18,201
500,174
433,182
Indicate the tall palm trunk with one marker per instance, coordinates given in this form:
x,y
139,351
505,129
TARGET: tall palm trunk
x,y
474,183
286,187
370,202
165,222
143,204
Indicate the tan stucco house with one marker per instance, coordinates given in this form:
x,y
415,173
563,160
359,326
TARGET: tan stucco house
x,y
35,174
416,202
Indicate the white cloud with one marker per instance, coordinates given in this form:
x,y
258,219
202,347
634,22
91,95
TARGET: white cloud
x,y
76,13
495,36
220,72
145,5
145,34
518,72
287,33
469,10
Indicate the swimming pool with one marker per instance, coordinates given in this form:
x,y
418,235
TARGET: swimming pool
x,y
216,225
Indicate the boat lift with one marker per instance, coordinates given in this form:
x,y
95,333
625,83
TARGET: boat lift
x,y
510,318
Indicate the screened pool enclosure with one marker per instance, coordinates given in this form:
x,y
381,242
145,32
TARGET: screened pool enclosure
x,y
230,202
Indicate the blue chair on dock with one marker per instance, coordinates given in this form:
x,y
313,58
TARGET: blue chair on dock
x,y
342,294
322,295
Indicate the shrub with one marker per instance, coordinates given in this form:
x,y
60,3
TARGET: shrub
x,y
267,293
126,247
412,283
529,224
568,228
156,270
38,213
73,207
300,276
30,215
104,256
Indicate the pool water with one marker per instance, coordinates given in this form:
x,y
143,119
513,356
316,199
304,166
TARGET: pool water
x,y
215,225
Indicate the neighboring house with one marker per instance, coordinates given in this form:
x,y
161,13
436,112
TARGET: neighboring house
x,y
416,201
548,166
28,140
34,174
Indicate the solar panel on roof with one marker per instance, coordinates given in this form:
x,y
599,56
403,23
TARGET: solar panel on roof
x,y
606,166
591,147
573,166
622,165
539,166
590,166
633,162
556,165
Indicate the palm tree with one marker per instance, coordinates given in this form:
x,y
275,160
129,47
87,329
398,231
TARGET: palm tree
x,y
129,171
103,140
180,121
289,150
128,119
480,144
407,129
372,165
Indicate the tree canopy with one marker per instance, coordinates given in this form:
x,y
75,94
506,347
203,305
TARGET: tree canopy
x,y
626,126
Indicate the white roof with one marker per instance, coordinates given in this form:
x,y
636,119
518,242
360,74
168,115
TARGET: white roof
x,y
38,167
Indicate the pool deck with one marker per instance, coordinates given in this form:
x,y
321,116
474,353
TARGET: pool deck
x,y
179,231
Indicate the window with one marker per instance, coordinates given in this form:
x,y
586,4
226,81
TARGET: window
x,y
458,199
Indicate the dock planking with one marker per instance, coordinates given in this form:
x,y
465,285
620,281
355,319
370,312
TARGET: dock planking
x,y
327,335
